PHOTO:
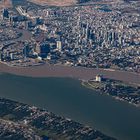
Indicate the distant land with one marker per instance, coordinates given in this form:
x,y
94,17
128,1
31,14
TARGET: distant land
x,y
57,2
5,3
54,2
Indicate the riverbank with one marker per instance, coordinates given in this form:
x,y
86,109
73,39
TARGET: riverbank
x,y
44,122
70,72
116,89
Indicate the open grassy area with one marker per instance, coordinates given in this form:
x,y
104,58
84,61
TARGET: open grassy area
x,y
94,86
50,134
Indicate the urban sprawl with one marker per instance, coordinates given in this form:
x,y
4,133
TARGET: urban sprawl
x,y
96,35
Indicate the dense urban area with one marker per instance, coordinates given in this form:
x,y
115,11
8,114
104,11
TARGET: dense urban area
x,y
96,35
21,121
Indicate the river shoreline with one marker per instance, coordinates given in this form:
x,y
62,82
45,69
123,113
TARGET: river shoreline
x,y
81,73
71,100
51,118
87,85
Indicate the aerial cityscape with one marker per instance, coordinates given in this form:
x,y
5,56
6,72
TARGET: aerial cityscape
x,y
92,43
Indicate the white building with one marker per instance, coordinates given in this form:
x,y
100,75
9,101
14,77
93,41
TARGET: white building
x,y
59,45
98,78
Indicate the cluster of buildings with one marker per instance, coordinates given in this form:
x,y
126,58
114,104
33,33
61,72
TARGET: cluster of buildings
x,y
12,130
117,89
99,36
45,123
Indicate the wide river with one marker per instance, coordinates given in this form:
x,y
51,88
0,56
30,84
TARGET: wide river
x,y
66,97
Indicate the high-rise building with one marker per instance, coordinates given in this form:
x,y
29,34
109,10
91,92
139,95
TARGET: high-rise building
x,y
59,45
44,49
5,13
39,21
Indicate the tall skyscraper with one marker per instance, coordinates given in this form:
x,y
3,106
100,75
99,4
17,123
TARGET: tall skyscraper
x,y
5,13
